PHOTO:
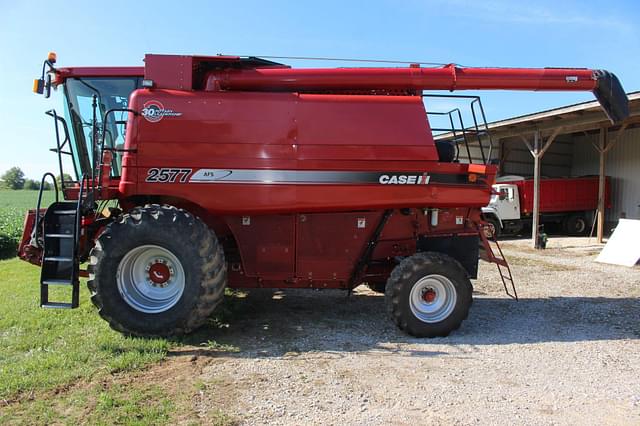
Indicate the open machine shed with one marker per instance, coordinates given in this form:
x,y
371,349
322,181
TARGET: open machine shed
x,y
575,140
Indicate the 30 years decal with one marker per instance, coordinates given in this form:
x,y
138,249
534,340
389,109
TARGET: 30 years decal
x,y
163,175
154,111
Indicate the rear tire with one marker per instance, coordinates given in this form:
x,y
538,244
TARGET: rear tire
x,y
428,295
576,225
156,271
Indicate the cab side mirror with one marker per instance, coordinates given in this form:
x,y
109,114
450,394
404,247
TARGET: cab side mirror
x,y
38,86
42,86
503,195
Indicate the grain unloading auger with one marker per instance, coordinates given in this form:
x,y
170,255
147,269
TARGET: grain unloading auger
x,y
243,172
602,83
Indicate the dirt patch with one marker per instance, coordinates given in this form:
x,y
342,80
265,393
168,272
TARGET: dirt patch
x,y
535,262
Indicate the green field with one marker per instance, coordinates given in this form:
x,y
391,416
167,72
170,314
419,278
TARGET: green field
x,y
13,206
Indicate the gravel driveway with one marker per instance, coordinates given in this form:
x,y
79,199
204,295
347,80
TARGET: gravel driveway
x,y
568,352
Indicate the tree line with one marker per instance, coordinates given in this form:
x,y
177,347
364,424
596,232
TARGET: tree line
x,y
14,178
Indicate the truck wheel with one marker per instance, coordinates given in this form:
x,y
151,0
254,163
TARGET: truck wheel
x,y
428,295
576,224
156,271
495,224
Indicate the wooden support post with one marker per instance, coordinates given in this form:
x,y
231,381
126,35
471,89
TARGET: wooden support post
x,y
535,231
537,151
602,144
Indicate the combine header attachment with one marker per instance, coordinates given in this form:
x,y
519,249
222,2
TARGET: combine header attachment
x,y
197,173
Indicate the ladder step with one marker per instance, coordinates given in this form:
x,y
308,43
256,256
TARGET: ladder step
x,y
73,212
57,305
57,282
58,259
58,235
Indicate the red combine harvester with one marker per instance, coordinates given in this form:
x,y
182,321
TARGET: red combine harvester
x,y
198,173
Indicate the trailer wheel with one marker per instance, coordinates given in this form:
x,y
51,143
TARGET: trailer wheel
x,y
576,224
156,271
428,295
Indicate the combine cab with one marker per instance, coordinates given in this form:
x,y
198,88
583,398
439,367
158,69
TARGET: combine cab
x,y
197,173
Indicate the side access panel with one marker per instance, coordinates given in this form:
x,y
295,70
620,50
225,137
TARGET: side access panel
x,y
266,244
306,250
330,244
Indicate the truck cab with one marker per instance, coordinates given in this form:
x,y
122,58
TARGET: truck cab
x,y
503,210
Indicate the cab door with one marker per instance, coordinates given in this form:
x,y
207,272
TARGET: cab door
x,y
508,203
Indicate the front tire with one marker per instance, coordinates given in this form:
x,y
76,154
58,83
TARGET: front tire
x,y
428,295
156,271
496,229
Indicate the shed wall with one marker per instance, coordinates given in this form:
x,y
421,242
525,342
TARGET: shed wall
x,y
517,160
622,165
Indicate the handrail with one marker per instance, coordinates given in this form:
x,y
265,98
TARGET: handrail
x,y
55,186
453,130
486,128
104,134
76,229
479,126
59,146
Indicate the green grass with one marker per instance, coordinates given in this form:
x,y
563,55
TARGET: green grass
x,y
41,350
68,366
135,404
13,206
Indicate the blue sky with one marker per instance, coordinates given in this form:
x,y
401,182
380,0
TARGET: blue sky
x,y
473,33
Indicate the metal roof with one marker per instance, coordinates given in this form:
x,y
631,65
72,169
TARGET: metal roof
x,y
575,109
577,117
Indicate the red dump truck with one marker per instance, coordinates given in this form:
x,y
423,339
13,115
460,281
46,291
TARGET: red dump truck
x,y
197,173
569,202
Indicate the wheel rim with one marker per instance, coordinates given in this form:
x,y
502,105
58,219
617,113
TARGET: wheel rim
x,y
580,225
433,298
490,230
150,279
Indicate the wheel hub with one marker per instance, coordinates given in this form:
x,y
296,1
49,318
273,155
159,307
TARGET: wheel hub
x,y
159,273
429,295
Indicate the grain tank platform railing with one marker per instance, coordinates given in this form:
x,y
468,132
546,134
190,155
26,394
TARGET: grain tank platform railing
x,y
476,133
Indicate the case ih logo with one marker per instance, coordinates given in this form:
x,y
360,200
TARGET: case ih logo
x,y
422,179
154,111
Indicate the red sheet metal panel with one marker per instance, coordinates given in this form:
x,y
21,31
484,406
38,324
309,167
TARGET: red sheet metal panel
x,y
266,243
244,134
562,194
329,245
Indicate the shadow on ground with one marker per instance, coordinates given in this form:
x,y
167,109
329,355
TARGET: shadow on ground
x,y
275,323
